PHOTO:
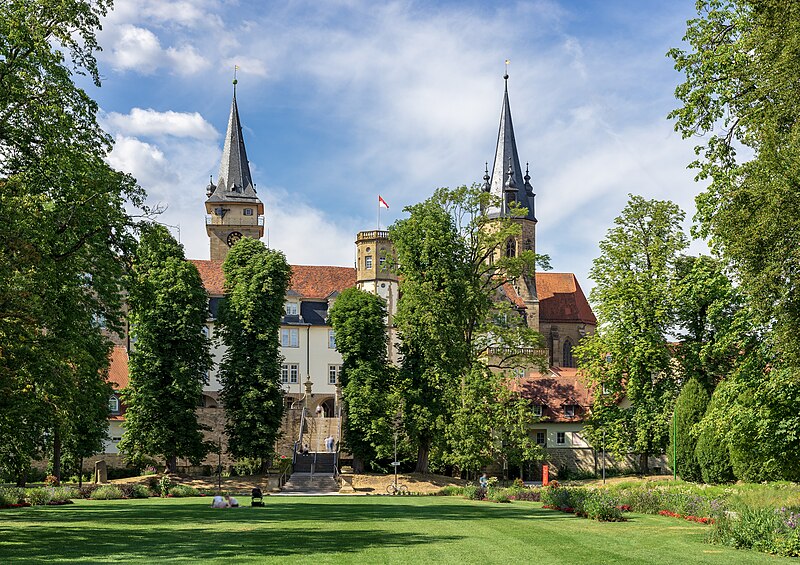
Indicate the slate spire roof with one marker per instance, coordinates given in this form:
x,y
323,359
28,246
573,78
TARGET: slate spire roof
x,y
234,181
507,171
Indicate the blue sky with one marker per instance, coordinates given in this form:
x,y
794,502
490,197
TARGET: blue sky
x,y
344,100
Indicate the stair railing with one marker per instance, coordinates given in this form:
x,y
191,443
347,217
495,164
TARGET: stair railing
x,y
338,446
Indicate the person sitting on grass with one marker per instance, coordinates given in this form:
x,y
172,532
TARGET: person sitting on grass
x,y
219,502
231,502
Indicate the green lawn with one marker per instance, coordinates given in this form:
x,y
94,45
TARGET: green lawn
x,y
347,529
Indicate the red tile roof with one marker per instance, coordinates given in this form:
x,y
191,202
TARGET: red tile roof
x,y
118,371
309,281
554,391
562,300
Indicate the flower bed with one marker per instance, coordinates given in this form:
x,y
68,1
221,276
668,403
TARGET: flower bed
x,y
690,518
583,502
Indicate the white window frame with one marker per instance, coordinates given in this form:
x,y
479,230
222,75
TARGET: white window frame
x,y
291,308
290,337
368,262
538,409
290,373
248,211
333,374
561,438
113,404
543,435
332,339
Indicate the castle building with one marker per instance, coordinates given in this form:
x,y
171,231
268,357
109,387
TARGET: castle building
x,y
552,303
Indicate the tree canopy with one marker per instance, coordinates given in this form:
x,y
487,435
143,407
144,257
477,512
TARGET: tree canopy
x,y
62,251
168,307
256,280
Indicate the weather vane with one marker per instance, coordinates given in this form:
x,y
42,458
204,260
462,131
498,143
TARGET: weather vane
x,y
235,68
507,62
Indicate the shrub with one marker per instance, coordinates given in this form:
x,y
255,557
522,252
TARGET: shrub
x,y
51,480
62,495
762,529
528,495
182,491
135,491
11,496
107,492
602,507
38,496
498,495
164,484
472,492
690,406
713,456
451,490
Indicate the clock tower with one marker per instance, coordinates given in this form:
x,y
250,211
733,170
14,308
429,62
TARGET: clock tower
x,y
233,210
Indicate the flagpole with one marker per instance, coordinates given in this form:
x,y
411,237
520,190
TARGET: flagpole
x,y
379,214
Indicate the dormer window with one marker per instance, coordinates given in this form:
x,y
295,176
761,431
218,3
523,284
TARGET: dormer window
x,y
113,404
290,308
537,410
569,410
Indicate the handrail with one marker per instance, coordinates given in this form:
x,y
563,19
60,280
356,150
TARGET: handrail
x,y
338,446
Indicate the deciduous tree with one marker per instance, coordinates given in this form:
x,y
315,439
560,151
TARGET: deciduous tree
x,y
452,264
633,300
359,320
256,280
168,307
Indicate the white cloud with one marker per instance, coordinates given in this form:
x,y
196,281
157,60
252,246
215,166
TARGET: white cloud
x,y
186,60
305,234
137,49
149,122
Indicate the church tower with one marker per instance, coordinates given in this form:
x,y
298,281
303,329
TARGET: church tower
x,y
507,185
233,210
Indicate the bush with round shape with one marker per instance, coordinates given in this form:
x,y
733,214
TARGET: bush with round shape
x,y
38,496
183,491
107,492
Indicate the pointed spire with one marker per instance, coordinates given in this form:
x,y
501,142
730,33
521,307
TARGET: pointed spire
x,y
506,160
234,169
486,187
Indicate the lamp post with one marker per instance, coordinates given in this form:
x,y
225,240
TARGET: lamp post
x,y
395,463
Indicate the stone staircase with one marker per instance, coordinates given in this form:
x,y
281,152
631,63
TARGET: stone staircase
x,y
306,484
318,463
317,429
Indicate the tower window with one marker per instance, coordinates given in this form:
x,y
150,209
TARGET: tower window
x,y
248,211
368,262
511,248
568,361
331,339
290,308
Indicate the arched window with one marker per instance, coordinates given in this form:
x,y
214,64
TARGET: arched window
x,y
567,359
511,248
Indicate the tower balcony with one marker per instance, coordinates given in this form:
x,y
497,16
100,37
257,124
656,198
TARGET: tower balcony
x,y
372,235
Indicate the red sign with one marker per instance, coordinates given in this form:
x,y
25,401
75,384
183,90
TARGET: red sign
x,y
545,475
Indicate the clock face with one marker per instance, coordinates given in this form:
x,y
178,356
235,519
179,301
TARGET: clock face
x,y
233,237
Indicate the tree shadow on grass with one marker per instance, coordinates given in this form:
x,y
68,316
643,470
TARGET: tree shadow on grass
x,y
81,545
141,512
156,530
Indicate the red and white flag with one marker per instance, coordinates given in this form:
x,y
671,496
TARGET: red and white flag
x,y
382,203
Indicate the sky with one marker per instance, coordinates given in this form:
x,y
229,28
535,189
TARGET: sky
x,y
345,100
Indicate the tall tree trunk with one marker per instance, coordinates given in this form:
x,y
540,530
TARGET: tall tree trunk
x,y
22,477
80,472
422,456
643,466
57,456
172,464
